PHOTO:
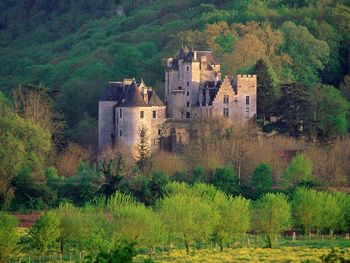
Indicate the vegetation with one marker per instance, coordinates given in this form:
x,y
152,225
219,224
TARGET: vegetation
x,y
218,189
8,236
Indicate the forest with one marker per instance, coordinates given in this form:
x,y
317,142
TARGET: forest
x,y
56,59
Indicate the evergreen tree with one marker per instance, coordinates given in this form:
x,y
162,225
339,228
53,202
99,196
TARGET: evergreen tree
x,y
261,179
293,109
143,147
266,84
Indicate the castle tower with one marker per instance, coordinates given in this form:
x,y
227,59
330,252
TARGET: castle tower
x,y
184,76
138,106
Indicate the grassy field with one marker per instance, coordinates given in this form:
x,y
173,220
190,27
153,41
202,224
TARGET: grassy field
x,y
281,254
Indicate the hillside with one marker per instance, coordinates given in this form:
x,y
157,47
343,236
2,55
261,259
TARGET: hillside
x,y
75,47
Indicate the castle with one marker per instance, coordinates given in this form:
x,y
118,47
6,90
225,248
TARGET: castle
x,y
193,89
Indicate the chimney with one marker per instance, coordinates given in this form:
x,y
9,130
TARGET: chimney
x,y
144,91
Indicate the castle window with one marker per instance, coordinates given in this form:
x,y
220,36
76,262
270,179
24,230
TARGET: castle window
x,y
187,115
226,112
154,114
188,104
247,100
188,93
226,99
120,133
188,83
187,68
120,113
159,131
180,87
142,114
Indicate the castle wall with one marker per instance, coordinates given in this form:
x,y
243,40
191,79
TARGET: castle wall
x,y
128,126
231,103
105,124
246,87
241,107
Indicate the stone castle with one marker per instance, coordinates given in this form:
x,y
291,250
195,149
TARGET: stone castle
x,y
194,89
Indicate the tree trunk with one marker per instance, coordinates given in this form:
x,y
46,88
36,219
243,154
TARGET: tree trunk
x,y
187,245
221,245
269,241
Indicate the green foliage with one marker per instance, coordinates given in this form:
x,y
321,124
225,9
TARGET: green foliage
x,y
261,179
143,147
8,236
188,218
45,232
272,215
266,85
135,222
299,43
23,145
330,111
299,170
293,109
335,255
122,253
226,180
307,209
234,219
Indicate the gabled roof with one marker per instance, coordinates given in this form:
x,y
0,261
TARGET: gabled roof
x,y
128,93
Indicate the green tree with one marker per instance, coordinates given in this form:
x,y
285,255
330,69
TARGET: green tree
x,y
188,218
45,232
307,209
226,180
329,112
272,215
71,225
122,253
261,179
113,170
293,109
135,222
234,219
143,147
298,171
299,44
266,85
156,187
22,144
8,236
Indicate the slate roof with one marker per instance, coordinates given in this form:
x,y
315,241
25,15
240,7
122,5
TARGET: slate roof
x,y
188,56
130,95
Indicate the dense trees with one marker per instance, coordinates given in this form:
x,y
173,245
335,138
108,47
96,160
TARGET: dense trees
x,y
305,42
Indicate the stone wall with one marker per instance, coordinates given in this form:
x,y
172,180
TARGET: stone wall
x,y
106,126
128,126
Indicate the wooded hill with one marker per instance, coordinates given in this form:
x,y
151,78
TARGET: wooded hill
x,y
75,47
